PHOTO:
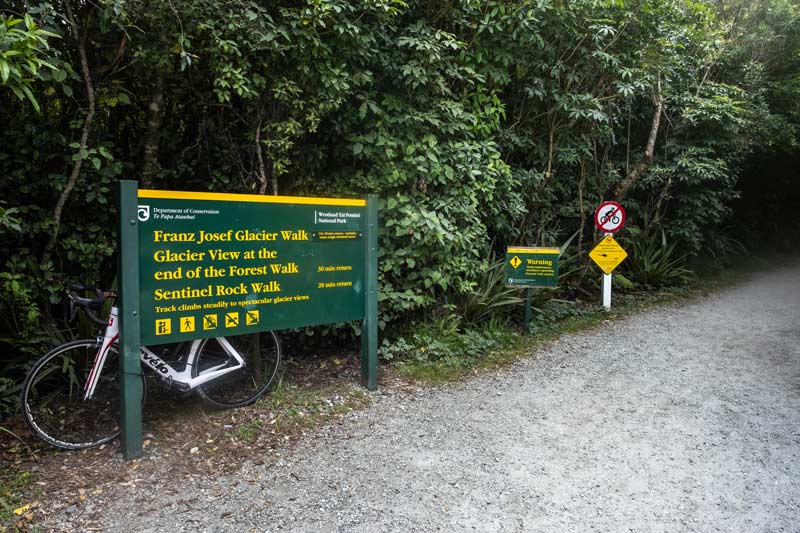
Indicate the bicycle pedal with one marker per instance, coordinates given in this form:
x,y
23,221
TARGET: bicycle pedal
x,y
166,382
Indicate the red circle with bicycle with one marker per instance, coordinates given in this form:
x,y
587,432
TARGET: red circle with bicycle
x,y
609,217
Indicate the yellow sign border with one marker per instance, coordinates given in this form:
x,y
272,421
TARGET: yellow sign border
x,y
255,198
529,250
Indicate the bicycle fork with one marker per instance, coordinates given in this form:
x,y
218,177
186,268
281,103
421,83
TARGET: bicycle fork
x,y
110,336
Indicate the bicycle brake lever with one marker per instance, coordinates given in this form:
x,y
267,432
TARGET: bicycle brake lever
x,y
72,311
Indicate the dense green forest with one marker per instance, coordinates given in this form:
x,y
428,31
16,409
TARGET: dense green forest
x,y
479,123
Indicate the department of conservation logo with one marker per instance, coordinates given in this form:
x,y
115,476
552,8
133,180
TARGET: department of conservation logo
x,y
144,213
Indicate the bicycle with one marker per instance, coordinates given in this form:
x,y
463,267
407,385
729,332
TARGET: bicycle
x,y
70,397
609,215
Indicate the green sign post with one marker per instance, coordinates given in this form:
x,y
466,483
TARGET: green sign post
x,y
210,264
529,268
129,324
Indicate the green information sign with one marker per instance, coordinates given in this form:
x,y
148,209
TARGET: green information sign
x,y
532,267
223,264
196,265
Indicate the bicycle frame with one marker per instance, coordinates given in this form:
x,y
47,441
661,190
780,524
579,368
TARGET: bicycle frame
x,y
164,370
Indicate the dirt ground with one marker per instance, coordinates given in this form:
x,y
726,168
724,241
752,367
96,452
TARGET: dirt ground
x,y
681,418
313,390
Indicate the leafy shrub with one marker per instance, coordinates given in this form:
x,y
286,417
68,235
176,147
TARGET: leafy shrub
x,y
478,124
621,282
547,311
654,263
722,245
449,346
396,349
489,298
9,396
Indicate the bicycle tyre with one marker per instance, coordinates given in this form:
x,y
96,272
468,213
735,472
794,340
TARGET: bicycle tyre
x,y
262,356
52,397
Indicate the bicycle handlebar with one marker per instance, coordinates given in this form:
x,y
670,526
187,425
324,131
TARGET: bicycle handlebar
x,y
87,303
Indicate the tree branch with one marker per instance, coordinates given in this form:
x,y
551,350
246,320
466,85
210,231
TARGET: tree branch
x,y
647,158
87,124
262,176
150,150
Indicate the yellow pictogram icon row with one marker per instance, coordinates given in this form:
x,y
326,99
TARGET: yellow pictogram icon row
x,y
187,324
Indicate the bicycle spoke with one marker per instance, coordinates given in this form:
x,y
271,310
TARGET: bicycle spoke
x,y
261,354
53,399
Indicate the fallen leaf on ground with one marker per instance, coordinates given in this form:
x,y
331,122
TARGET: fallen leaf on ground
x,y
19,510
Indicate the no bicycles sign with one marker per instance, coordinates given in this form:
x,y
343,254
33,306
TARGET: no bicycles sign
x,y
609,217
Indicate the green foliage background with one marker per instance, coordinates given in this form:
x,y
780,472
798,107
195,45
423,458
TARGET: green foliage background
x,y
479,124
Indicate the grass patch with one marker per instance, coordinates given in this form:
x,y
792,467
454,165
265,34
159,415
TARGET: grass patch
x,y
436,354
247,432
505,347
297,407
13,487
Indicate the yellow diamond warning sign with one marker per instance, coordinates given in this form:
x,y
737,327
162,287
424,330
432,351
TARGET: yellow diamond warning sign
x,y
515,261
608,254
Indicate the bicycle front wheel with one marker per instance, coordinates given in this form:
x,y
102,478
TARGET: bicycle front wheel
x,y
53,397
262,355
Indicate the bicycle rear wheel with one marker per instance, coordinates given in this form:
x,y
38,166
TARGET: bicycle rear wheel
x,y
262,355
53,397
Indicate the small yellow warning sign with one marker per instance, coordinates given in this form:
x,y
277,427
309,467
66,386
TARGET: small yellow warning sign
x,y
164,326
251,317
210,322
608,254
232,319
515,261
187,324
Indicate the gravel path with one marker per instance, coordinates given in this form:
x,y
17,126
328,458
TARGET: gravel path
x,y
684,418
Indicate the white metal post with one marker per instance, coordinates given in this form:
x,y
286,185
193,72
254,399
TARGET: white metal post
x,y
607,288
607,291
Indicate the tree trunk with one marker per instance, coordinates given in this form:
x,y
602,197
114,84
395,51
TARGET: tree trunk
x,y
656,220
154,111
581,185
261,172
649,150
87,125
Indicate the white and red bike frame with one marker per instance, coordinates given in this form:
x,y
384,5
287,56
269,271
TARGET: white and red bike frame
x,y
164,370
